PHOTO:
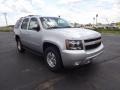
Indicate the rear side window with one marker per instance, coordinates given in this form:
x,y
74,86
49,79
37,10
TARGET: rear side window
x,y
17,25
25,23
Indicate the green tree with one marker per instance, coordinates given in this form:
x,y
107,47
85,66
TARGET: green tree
x,y
118,24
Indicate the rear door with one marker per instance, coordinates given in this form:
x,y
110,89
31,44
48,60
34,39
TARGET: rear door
x,y
24,34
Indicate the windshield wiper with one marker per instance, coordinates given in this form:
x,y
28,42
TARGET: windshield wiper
x,y
53,27
67,27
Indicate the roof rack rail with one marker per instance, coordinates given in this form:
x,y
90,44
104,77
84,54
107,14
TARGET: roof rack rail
x,y
30,15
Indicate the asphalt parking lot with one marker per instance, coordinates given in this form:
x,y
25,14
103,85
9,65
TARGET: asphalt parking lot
x,y
28,72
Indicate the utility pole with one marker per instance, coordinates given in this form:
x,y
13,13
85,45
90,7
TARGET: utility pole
x,y
5,15
93,21
96,19
107,20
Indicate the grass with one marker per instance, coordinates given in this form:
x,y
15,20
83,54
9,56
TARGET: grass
x,y
5,29
109,31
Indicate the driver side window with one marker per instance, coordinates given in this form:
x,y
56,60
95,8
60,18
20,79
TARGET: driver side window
x,y
34,24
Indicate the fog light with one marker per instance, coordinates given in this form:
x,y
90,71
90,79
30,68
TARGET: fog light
x,y
87,61
77,63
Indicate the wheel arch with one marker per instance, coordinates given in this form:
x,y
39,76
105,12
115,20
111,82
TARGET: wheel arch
x,y
17,37
48,44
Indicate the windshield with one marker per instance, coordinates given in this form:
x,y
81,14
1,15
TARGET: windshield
x,y
54,23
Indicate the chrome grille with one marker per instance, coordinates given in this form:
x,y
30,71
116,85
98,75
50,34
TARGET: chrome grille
x,y
92,43
94,39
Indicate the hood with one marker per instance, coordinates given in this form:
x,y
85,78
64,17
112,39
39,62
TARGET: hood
x,y
77,33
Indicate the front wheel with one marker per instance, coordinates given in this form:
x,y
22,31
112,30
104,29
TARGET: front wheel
x,y
53,59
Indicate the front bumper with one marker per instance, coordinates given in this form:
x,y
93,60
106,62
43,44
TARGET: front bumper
x,y
78,57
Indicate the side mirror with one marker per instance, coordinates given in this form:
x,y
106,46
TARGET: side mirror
x,y
36,27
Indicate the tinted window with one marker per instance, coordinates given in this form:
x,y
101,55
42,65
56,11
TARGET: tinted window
x,y
33,24
24,23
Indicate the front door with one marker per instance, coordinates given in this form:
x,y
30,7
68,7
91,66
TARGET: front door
x,y
34,34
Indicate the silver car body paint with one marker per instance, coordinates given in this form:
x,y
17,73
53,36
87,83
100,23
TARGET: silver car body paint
x,y
35,40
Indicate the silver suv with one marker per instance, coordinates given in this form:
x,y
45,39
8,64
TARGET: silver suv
x,y
55,39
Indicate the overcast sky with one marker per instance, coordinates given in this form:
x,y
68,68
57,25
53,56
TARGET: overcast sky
x,y
81,11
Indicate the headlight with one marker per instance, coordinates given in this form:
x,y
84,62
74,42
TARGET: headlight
x,y
74,45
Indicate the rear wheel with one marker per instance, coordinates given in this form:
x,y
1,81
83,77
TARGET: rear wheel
x,y
20,46
53,59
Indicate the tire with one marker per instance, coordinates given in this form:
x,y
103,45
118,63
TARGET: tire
x,y
20,46
53,59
